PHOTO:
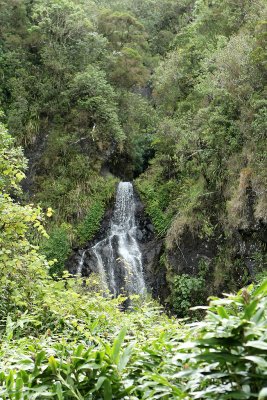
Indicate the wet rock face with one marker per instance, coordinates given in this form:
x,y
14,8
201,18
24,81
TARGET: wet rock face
x,y
249,243
185,257
34,153
232,260
152,249
150,246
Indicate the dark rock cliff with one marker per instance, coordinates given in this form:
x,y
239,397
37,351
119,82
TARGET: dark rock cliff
x,y
231,256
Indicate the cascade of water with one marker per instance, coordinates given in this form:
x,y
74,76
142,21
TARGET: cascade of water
x,y
100,268
118,257
80,265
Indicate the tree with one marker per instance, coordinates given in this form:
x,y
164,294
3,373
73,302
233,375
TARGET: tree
x,y
21,266
93,100
122,29
127,69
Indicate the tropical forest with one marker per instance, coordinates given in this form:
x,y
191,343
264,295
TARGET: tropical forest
x,y
133,199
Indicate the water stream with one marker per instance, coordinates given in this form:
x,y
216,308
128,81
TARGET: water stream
x,y
117,257
81,262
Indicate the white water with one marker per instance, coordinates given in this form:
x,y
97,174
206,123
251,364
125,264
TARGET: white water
x,y
118,257
80,265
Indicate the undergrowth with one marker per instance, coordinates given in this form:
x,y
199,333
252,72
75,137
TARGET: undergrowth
x,y
79,346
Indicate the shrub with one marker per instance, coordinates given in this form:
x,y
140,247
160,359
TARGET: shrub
x,y
101,353
187,291
58,248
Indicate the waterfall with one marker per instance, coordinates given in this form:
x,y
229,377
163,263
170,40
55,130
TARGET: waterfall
x,y
117,257
81,262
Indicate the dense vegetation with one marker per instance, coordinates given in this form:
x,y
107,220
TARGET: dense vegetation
x,y
63,340
173,94
100,90
207,181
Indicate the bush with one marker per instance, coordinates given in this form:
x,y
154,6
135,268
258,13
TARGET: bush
x,y
58,248
188,291
156,200
94,351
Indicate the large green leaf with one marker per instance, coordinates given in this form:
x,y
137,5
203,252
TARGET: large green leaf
x,y
262,289
115,351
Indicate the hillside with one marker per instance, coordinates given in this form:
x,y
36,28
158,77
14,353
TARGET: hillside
x,y
169,95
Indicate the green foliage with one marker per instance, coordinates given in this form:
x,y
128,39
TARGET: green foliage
x,y
67,70
187,291
127,69
89,347
57,248
70,76
121,29
103,193
62,340
12,163
209,92
260,53
91,223
57,100
93,100
138,119
157,202
20,263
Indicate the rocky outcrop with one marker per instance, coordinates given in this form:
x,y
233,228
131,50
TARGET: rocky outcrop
x,y
152,250
231,256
